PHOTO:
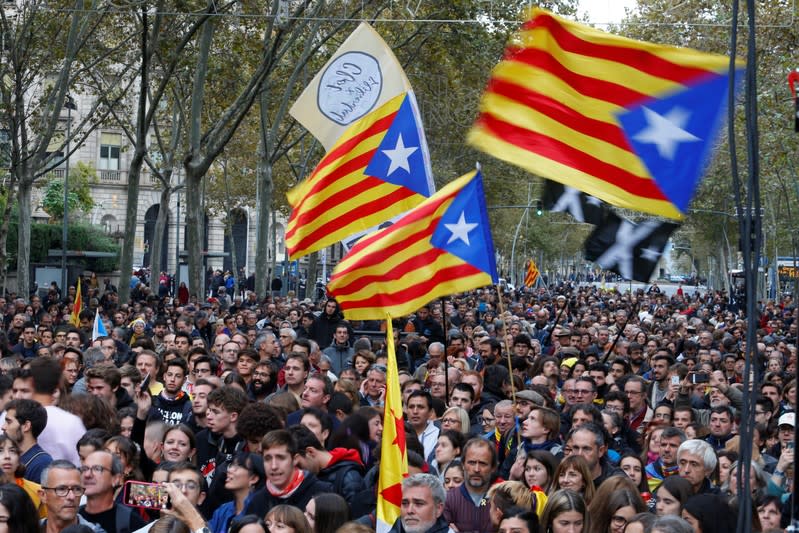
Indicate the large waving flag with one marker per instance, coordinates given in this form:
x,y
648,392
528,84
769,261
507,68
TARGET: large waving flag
x,y
393,456
441,247
630,122
377,164
532,274
77,306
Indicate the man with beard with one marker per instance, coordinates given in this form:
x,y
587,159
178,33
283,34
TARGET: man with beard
x,y
637,361
422,506
721,395
466,507
24,422
261,385
660,376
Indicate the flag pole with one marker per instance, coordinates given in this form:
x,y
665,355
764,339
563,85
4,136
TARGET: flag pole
x,y
446,345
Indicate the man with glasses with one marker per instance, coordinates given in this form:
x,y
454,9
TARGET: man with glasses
x,y
101,473
640,412
60,493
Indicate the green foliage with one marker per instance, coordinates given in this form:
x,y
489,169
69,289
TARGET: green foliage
x,y
79,197
81,237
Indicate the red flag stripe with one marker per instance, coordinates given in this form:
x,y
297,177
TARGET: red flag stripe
x,y
632,56
565,154
413,292
302,216
557,111
422,211
379,204
600,89
407,266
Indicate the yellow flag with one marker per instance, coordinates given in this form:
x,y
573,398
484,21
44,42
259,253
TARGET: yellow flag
x,y
74,318
361,76
393,456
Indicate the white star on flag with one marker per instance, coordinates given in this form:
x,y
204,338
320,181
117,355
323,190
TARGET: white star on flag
x,y
666,131
650,254
399,156
460,230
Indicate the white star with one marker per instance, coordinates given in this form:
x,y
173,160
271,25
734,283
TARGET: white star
x,y
666,131
593,200
460,230
650,254
399,156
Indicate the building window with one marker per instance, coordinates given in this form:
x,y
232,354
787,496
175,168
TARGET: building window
x,y
110,146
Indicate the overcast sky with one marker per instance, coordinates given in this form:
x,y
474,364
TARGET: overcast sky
x,y
605,11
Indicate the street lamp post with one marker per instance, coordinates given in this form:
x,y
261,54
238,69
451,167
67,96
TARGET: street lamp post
x,y
69,105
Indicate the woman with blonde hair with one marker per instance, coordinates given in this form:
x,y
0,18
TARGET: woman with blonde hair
x,y
573,474
457,419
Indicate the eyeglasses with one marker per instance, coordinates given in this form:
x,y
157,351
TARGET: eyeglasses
x,y
63,490
619,521
95,469
486,420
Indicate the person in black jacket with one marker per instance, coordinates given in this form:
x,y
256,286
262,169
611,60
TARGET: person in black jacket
x,y
324,327
172,404
341,467
285,482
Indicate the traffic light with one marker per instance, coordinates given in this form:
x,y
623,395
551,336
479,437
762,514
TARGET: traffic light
x,y
539,208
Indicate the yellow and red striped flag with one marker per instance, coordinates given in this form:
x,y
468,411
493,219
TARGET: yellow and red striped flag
x,y
531,276
441,247
77,306
361,107
393,455
630,122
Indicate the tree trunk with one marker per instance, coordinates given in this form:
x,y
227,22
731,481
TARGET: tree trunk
x,y
274,245
158,239
194,233
24,239
234,262
4,226
265,186
131,225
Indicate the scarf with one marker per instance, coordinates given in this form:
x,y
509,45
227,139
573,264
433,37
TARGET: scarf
x,y
294,484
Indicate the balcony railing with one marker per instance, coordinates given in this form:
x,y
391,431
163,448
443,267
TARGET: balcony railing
x,y
108,177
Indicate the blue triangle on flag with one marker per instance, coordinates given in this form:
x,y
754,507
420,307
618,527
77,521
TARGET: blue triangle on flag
x,y
463,230
674,135
400,158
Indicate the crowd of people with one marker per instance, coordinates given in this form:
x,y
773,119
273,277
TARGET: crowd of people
x,y
564,409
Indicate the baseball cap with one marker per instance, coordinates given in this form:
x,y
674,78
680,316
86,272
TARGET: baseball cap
x,y
530,396
788,419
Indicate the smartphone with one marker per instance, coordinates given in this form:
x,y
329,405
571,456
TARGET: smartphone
x,y
145,383
675,380
699,377
146,495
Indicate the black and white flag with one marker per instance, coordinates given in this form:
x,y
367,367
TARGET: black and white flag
x,y
630,249
584,208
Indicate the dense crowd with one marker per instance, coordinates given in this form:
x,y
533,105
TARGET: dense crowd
x,y
566,409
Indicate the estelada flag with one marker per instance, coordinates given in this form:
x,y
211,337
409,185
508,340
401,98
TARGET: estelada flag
x,y
377,166
531,276
441,247
630,122
393,455
77,306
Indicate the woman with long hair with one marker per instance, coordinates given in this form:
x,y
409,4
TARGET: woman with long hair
x,y
245,475
448,448
12,471
671,495
327,512
539,469
287,519
710,513
634,467
180,444
565,512
573,474
616,501
17,512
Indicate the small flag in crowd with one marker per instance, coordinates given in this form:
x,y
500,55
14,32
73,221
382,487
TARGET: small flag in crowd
x,y
77,306
531,276
377,164
630,249
441,247
393,456
582,207
98,330
630,122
